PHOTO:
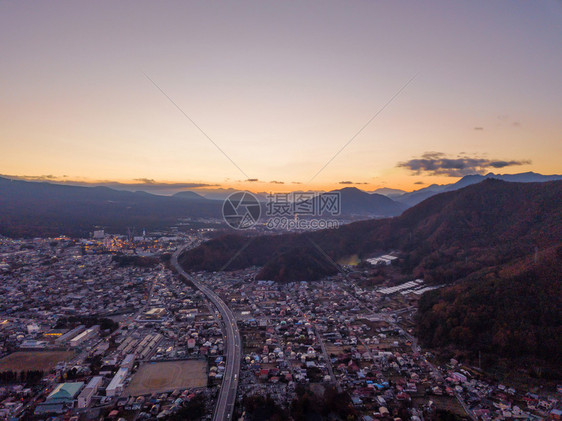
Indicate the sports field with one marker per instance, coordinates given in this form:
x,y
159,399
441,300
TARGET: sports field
x,y
165,376
34,360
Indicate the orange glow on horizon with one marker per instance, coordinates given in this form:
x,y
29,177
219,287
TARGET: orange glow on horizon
x,y
405,183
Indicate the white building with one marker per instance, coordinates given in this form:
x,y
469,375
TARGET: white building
x,y
117,384
89,391
71,334
128,361
99,234
33,328
385,259
84,336
32,343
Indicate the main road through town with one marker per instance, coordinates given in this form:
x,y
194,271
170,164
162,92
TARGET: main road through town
x,y
227,394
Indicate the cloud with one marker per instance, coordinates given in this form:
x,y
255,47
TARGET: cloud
x,y
502,164
419,182
351,182
145,180
33,177
296,182
506,119
437,163
479,128
252,180
276,182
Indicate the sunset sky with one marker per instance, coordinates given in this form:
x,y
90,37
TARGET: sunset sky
x,y
280,87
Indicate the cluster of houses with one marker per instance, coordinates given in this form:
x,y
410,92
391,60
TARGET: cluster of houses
x,y
49,279
339,334
159,319
334,333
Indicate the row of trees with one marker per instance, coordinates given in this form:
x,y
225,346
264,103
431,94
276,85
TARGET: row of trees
x,y
88,321
305,406
29,377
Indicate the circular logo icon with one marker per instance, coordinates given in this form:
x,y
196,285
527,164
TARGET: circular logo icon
x,y
241,210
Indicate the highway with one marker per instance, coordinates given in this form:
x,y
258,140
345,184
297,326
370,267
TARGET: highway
x,y
227,394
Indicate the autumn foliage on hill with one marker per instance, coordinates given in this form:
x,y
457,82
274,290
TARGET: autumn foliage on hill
x,y
512,312
294,265
447,237
482,240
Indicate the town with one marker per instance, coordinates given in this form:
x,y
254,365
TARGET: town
x,y
104,327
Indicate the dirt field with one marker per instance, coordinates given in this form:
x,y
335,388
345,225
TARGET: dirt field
x,y
334,349
448,403
34,360
165,376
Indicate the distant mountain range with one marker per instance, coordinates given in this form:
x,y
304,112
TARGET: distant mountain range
x,y
189,195
388,192
360,204
365,207
44,209
445,238
417,196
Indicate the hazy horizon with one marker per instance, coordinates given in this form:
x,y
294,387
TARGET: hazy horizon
x,y
170,188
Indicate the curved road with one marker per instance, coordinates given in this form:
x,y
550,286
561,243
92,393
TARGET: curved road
x,y
227,394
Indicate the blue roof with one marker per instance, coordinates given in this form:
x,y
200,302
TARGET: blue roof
x,y
65,391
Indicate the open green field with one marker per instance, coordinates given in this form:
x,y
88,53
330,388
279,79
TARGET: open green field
x,y
159,377
34,360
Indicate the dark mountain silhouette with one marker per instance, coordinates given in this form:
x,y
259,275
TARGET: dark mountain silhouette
x,y
388,192
44,209
447,237
296,264
189,195
418,196
221,194
357,203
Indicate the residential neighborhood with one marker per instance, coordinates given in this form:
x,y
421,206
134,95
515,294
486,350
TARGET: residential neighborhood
x,y
106,329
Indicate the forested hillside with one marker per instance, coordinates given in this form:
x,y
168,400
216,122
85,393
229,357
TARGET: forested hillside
x,y
443,239
512,312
